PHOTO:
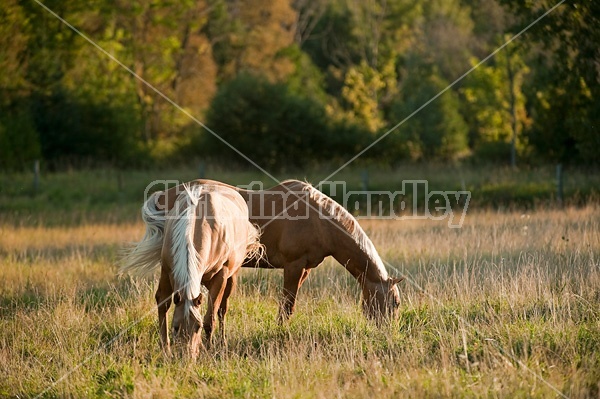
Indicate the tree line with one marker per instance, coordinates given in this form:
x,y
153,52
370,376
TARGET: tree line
x,y
294,82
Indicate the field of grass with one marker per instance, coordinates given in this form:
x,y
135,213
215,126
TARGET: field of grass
x,y
507,306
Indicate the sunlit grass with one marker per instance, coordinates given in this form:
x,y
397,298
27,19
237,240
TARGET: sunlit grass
x,y
507,306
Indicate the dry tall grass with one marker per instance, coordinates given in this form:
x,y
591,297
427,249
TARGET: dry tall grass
x,y
507,306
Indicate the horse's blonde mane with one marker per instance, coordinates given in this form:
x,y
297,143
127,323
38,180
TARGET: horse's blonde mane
x,y
338,213
186,262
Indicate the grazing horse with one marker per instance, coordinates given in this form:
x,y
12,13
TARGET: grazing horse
x,y
203,239
300,227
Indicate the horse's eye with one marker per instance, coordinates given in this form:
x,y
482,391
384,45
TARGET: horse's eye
x,y
198,300
176,298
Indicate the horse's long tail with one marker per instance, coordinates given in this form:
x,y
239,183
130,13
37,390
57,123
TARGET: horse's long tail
x,y
143,258
254,249
186,260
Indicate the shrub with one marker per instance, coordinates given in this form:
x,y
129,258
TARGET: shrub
x,y
269,124
436,132
75,130
19,141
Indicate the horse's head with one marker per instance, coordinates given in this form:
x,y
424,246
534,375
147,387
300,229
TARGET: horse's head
x,y
187,324
381,300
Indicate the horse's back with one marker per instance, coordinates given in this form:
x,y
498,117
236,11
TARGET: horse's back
x,y
221,225
293,228
289,232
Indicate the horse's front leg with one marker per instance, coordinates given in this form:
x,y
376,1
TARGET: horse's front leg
x,y
294,274
163,302
216,288
229,288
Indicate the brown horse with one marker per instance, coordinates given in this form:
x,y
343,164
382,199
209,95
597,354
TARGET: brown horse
x,y
300,227
203,239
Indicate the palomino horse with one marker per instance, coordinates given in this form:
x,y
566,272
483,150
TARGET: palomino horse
x,y
300,227
203,239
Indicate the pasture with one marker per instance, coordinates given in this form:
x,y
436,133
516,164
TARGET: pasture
x,y
507,306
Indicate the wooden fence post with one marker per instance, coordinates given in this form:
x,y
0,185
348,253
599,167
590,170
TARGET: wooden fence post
x,y
119,180
365,179
559,184
36,176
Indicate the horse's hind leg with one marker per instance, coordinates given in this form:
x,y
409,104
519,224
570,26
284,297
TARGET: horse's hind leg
x,y
229,288
216,288
163,302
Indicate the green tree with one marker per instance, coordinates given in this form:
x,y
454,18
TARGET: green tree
x,y
494,106
13,50
444,37
52,47
19,141
357,46
306,79
346,34
164,43
76,129
565,87
250,36
364,87
436,132
268,123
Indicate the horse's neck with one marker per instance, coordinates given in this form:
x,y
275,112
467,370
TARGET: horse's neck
x,y
357,254
264,206
353,249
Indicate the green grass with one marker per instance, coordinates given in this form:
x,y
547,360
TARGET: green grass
x,y
108,195
507,306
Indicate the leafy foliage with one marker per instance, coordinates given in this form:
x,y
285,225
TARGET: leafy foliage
x,y
564,90
74,130
269,123
347,70
438,130
494,107
19,141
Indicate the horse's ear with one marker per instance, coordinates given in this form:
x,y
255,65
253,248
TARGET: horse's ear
x,y
396,280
